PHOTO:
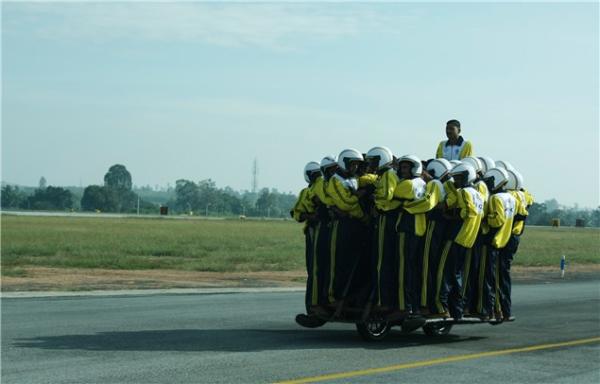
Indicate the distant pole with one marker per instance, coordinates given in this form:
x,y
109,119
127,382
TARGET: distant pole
x,y
255,176
562,266
138,205
207,204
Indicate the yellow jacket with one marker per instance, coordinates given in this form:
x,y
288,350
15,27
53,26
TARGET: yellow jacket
x,y
410,190
452,194
521,200
485,193
501,213
341,194
366,179
454,152
384,191
319,189
471,205
434,194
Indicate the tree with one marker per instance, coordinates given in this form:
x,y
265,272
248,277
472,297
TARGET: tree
x,y
12,197
51,198
94,198
186,195
118,177
43,183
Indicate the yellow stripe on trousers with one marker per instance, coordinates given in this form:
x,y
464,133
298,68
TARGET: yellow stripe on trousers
x,y
333,245
425,277
381,233
468,259
315,291
440,276
498,307
401,303
482,266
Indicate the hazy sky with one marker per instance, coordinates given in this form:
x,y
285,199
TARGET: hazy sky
x,y
198,90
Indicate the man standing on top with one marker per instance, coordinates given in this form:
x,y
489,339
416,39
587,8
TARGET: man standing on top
x,y
455,148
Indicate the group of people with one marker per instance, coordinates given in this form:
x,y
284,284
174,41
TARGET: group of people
x,y
431,238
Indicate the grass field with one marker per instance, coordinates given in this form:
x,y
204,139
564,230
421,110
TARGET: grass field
x,y
215,245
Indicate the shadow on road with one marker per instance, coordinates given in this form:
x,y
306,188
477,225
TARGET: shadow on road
x,y
230,340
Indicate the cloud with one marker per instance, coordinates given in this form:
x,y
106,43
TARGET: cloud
x,y
224,24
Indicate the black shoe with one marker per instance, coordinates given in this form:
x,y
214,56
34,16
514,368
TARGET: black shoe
x,y
309,321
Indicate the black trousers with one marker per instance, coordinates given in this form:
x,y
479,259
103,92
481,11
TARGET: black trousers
x,y
410,260
320,266
385,260
452,295
432,270
349,273
480,291
504,283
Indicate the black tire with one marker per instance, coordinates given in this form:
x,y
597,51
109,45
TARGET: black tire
x,y
437,329
373,330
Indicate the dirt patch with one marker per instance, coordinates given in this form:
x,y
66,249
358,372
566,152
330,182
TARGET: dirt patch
x,y
76,279
82,279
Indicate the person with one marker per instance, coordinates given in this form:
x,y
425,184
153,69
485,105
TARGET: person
x,y
411,229
500,216
323,202
304,211
385,243
476,258
470,207
433,205
456,147
514,187
347,252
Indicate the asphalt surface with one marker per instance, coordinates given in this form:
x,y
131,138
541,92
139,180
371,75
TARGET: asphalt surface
x,y
252,337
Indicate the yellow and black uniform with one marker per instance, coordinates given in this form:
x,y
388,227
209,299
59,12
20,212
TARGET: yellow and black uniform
x,y
470,205
385,245
477,263
457,151
304,207
411,228
435,236
501,213
348,251
321,242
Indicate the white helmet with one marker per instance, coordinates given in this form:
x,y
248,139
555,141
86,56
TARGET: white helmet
x,y
438,168
504,165
311,167
455,162
348,155
511,184
519,180
417,166
487,163
498,176
465,170
327,162
475,162
383,155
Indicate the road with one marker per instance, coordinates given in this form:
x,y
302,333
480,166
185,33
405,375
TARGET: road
x,y
251,337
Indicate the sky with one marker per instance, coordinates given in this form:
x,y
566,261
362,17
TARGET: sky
x,y
199,90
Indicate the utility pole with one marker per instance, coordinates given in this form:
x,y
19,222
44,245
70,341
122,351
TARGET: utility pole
x,y
255,176
138,205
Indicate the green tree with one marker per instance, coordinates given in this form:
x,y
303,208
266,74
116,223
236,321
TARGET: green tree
x,y
118,177
51,198
94,197
12,197
187,195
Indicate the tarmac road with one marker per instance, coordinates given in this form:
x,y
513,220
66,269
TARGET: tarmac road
x,y
252,337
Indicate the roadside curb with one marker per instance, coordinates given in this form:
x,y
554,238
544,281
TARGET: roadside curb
x,y
147,292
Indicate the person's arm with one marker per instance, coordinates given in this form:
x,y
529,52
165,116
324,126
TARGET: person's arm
x,y
387,185
300,208
342,197
432,198
495,216
404,190
439,153
466,151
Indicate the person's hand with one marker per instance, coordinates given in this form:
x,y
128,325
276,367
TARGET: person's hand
x,y
426,176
